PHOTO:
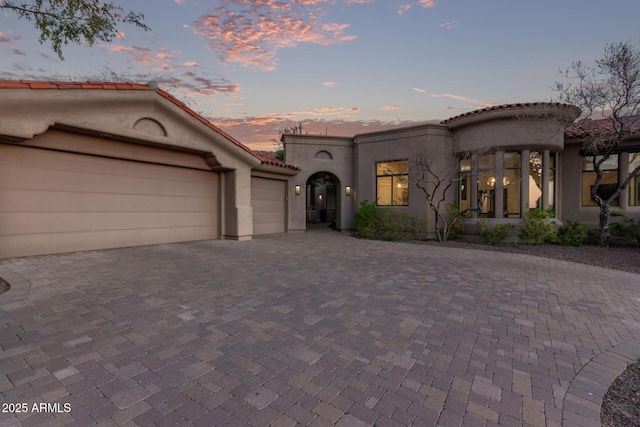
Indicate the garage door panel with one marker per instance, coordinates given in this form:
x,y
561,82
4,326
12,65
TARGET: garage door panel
x,y
57,202
44,222
15,155
268,202
70,241
63,201
28,178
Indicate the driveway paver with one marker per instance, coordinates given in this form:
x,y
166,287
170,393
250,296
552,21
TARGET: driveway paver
x,y
310,329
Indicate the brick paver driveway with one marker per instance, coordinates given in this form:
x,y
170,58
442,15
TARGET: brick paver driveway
x,y
310,329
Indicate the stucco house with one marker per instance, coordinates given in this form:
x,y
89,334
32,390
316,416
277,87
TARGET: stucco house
x,y
88,166
102,165
503,161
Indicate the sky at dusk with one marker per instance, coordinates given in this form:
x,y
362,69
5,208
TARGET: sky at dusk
x,y
340,67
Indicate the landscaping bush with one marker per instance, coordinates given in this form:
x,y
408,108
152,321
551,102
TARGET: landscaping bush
x,y
367,220
627,231
537,227
495,235
456,227
573,233
373,222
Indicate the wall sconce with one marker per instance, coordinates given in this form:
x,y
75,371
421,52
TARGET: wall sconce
x,y
297,190
347,190
320,198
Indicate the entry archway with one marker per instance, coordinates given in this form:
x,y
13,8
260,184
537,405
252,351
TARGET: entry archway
x,y
322,199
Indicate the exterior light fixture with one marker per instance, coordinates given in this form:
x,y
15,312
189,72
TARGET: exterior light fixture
x,y
347,190
297,190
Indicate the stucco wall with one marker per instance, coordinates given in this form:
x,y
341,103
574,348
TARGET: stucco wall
x,y
571,186
429,141
317,153
520,127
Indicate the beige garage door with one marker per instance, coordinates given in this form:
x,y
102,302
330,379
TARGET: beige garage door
x,y
268,201
54,202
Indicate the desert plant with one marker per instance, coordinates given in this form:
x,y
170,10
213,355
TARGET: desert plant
x,y
367,220
495,235
386,223
536,227
573,233
628,231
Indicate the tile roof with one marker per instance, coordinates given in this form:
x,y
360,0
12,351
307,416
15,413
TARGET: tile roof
x,y
89,85
597,127
506,107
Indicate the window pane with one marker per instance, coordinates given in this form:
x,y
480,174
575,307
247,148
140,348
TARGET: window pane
x,y
551,197
535,180
512,160
464,184
486,181
610,164
486,162
384,191
392,168
512,193
400,190
607,186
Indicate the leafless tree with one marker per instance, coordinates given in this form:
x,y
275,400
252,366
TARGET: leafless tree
x,y
611,88
438,185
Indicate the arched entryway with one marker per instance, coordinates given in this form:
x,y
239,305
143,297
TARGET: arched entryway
x,y
322,200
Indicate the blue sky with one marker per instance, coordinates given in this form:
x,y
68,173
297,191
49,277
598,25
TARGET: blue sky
x,y
336,66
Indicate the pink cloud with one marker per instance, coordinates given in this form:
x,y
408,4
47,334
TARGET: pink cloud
x,y
190,64
417,89
403,8
260,132
252,32
389,107
4,38
18,52
179,1
427,3
328,84
451,24
464,99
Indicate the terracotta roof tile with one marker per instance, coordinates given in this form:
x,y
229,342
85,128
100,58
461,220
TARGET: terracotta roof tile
x,y
269,159
601,126
504,107
92,85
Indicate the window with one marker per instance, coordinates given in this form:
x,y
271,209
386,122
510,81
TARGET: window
x,y
464,184
551,197
392,183
609,183
536,159
634,184
511,183
486,183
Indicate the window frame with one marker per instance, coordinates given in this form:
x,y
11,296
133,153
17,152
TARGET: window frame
x,y
589,169
403,177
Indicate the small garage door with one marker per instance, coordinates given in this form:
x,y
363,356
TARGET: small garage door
x,y
268,201
53,201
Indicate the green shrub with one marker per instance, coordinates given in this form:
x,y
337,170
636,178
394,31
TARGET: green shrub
x,y
536,227
367,219
495,235
386,223
453,211
627,231
573,233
